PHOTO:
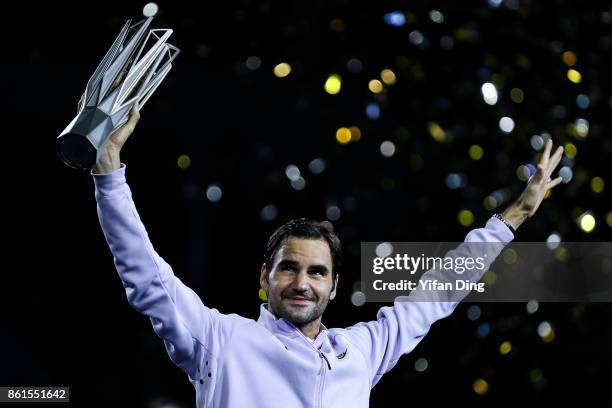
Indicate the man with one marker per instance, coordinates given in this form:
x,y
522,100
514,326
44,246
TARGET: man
x,y
287,358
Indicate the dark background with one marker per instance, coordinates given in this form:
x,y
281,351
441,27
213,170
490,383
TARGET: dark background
x,y
65,319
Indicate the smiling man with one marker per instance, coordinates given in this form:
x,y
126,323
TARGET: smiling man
x,y
300,273
287,358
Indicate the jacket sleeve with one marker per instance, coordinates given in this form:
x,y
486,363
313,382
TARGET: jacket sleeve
x,y
178,315
399,328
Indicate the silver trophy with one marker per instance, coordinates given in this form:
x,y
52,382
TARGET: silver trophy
x,y
131,70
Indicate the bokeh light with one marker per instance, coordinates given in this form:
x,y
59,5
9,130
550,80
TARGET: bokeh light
x,y
465,217
375,86
480,386
574,76
333,84
282,70
343,135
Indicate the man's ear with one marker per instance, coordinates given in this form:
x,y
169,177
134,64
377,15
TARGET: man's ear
x,y
263,277
332,295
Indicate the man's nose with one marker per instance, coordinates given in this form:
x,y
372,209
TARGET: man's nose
x,y
301,281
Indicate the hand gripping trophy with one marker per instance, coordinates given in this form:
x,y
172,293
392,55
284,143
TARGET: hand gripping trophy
x,y
129,73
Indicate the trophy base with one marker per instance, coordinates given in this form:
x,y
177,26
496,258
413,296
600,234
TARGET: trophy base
x,y
76,151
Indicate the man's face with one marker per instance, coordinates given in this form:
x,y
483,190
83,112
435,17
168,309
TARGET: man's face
x,y
299,282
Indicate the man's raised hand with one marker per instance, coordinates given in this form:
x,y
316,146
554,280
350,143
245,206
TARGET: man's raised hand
x,y
109,158
529,202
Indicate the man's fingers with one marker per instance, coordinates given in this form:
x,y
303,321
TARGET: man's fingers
x,y
554,183
135,112
539,174
134,116
554,161
546,153
557,157
123,133
80,103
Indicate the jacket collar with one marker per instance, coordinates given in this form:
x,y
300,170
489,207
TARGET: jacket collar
x,y
282,325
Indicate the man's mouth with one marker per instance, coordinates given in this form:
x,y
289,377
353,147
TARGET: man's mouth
x,y
298,300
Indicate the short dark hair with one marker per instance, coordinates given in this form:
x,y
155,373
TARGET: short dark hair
x,y
307,229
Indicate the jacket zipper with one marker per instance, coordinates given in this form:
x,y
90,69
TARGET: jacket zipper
x,y
325,358
322,381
